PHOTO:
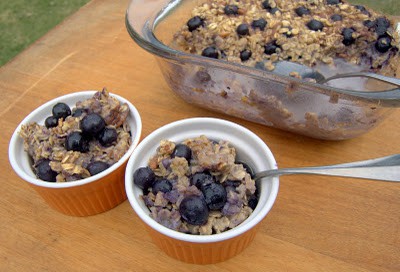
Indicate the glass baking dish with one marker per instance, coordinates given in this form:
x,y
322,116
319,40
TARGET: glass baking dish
x,y
283,102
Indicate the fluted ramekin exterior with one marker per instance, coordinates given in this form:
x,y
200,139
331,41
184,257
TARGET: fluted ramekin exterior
x,y
87,199
202,253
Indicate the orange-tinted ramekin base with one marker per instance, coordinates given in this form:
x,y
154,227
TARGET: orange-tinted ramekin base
x,y
87,199
202,253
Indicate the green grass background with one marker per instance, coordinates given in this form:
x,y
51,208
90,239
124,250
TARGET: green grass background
x,y
389,7
24,21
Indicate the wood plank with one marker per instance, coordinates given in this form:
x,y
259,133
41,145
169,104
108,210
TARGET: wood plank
x,y
317,223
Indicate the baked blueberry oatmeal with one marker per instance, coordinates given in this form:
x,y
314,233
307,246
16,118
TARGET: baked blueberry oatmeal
x,y
196,186
78,142
259,33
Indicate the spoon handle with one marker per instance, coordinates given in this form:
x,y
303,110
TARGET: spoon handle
x,y
386,79
387,98
385,168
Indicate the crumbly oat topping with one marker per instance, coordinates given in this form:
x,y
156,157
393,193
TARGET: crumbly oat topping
x,y
258,33
42,143
217,158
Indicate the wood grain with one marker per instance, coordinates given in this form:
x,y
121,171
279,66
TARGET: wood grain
x,y
316,224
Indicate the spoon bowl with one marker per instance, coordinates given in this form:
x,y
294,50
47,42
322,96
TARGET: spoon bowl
x,y
287,68
390,97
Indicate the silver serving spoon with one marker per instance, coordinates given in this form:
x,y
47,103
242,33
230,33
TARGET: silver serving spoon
x,y
389,97
284,67
385,168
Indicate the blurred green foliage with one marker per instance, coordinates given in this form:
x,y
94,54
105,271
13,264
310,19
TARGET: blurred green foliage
x,y
389,7
24,21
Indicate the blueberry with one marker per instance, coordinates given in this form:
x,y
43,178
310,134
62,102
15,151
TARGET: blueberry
x,y
380,31
183,151
362,9
336,17
161,185
78,112
243,30
347,34
382,22
383,44
232,183
201,179
214,195
51,121
302,10
267,6
75,141
252,202
97,167
61,110
44,171
273,10
333,2
315,25
223,54
270,48
144,177
193,209
202,76
370,24
260,24
231,10
107,136
75,177
194,23
381,26
210,52
259,65
245,55
92,124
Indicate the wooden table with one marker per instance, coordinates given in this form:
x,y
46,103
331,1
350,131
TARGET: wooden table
x,y
316,224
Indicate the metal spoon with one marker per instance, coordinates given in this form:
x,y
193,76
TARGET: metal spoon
x,y
286,68
385,168
389,97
